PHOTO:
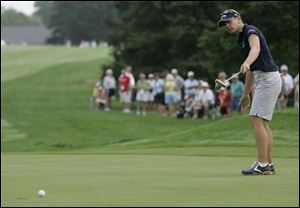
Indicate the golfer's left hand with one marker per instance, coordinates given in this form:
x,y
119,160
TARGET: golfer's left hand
x,y
245,67
244,102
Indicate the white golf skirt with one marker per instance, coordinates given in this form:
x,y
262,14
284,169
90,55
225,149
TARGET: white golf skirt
x,y
268,87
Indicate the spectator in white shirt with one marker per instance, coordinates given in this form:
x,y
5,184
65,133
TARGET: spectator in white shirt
x,y
288,87
204,100
190,85
179,81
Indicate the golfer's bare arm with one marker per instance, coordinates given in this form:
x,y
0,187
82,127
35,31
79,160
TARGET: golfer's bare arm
x,y
253,54
248,83
254,49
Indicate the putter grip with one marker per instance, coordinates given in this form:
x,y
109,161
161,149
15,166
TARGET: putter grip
x,y
234,75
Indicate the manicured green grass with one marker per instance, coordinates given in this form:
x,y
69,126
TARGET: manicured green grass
x,y
143,180
21,61
51,139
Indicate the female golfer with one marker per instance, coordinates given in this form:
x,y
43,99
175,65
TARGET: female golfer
x,y
260,67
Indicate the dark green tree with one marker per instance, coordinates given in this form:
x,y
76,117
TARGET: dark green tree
x,y
10,17
159,35
77,20
44,10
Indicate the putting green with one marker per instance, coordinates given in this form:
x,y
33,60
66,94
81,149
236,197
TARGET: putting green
x,y
144,180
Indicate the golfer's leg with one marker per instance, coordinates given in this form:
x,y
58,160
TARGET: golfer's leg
x,y
270,140
261,137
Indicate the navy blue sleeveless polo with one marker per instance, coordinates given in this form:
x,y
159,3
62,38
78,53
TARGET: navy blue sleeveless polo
x,y
264,61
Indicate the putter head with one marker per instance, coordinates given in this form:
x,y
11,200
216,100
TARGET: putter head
x,y
220,85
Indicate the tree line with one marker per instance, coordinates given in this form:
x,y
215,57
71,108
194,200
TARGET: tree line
x,y
76,21
185,35
160,35
10,17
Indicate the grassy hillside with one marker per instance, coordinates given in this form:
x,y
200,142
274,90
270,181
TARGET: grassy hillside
x,y
19,61
48,111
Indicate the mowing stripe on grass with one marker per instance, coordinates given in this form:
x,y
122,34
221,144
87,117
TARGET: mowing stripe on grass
x,y
17,62
179,133
8,133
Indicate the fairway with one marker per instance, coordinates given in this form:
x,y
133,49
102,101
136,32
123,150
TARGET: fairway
x,y
52,140
143,180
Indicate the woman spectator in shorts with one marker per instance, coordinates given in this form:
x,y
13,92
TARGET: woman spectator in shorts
x,y
159,98
109,84
125,91
142,94
170,88
151,82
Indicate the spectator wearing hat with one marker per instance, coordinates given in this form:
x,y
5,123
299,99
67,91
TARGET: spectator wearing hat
x,y
190,88
125,91
208,99
99,97
190,85
204,101
288,87
128,71
109,85
179,81
93,103
196,105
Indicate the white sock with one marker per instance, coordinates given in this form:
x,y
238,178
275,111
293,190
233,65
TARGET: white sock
x,y
270,164
262,164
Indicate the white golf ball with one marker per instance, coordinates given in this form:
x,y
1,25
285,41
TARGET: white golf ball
x,y
41,193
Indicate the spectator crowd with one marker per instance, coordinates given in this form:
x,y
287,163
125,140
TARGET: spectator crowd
x,y
168,93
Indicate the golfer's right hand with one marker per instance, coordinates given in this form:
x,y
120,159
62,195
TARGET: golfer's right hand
x,y
244,102
245,67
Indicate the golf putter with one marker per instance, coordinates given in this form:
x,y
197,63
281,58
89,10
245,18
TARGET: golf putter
x,y
225,84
